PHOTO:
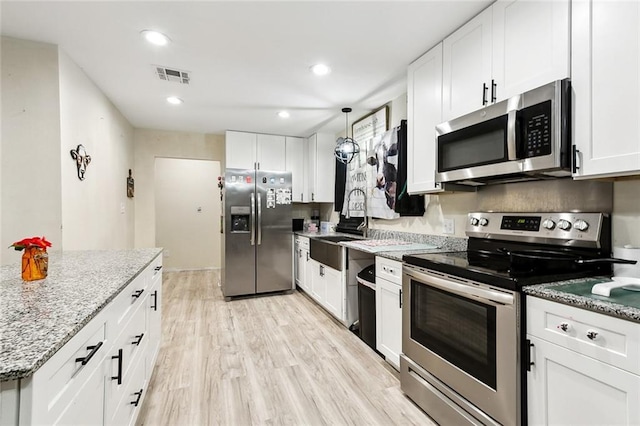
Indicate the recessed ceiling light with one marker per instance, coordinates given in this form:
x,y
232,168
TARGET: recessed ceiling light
x,y
284,114
320,69
174,100
155,37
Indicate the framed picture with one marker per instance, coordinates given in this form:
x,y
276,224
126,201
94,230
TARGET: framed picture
x,y
371,125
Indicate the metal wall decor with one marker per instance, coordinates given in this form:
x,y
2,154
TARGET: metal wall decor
x,y
82,160
130,185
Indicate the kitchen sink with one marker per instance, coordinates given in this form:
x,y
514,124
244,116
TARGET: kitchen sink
x,y
336,238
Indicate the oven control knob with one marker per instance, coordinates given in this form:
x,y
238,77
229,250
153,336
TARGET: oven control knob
x,y
474,221
484,221
581,225
565,225
548,224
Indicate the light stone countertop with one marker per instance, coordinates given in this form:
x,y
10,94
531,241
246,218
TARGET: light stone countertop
x,y
37,318
442,243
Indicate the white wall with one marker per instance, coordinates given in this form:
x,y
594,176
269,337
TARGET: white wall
x,y
149,144
188,212
49,106
30,168
96,213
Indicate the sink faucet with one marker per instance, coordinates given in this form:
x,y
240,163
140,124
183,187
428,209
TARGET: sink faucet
x,y
363,225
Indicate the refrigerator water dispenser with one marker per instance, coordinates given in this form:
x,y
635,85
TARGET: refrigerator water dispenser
x,y
240,217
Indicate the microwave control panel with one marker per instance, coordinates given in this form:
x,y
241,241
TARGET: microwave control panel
x,y
535,122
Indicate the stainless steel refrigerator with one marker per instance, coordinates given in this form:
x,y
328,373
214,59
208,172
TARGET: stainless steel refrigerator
x,y
257,232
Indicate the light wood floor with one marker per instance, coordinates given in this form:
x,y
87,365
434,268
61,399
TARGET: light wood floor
x,y
276,360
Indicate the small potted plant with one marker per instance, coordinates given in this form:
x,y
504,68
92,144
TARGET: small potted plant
x,y
35,259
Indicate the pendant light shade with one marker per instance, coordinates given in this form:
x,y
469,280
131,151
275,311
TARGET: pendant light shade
x,y
346,148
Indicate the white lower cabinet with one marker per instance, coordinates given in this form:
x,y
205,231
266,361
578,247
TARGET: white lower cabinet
x,y
389,310
100,375
335,291
585,368
301,262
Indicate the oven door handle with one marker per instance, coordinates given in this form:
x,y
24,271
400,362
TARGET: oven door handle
x,y
460,289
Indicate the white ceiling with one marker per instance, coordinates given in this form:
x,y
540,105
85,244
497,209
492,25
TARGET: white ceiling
x,y
248,60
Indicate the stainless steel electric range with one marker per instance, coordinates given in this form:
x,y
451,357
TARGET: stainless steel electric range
x,y
463,311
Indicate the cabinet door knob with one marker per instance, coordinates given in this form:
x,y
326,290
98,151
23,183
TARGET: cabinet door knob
x,y
137,294
494,87
119,358
575,152
592,335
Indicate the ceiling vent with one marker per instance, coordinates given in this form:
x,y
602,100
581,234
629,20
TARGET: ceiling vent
x,y
172,74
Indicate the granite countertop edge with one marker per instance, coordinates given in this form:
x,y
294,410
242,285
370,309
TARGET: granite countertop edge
x,y
443,243
12,370
549,291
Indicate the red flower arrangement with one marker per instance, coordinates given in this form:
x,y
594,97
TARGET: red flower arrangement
x,y
36,242
35,260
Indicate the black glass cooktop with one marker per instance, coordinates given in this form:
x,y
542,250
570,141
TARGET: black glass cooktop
x,y
496,267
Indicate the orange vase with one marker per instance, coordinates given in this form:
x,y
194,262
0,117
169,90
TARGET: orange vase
x,y
35,263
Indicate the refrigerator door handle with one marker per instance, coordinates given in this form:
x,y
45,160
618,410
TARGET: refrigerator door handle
x,y
253,219
259,219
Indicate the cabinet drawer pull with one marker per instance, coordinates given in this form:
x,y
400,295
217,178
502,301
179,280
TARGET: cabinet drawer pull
x,y
138,339
137,294
157,268
565,326
93,350
138,396
155,300
119,358
484,93
592,335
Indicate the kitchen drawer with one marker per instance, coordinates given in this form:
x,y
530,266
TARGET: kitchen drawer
x,y
126,303
123,405
126,358
57,382
611,340
390,270
302,242
154,271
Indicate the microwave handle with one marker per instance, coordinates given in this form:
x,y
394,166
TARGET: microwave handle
x,y
512,129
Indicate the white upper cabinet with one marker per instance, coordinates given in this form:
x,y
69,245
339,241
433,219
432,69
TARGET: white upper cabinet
x,y
511,47
467,67
530,45
322,167
250,150
424,112
297,153
240,150
606,87
271,152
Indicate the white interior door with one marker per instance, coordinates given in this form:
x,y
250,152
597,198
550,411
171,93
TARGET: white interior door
x,y
188,212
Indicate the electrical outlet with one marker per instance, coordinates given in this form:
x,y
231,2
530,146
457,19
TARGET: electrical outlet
x,y
448,226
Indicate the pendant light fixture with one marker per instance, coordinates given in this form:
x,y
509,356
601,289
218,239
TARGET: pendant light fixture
x,y
346,148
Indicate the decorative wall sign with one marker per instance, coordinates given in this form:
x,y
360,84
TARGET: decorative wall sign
x,y
130,184
82,160
363,131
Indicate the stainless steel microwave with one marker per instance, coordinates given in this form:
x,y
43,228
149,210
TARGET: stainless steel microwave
x,y
525,137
